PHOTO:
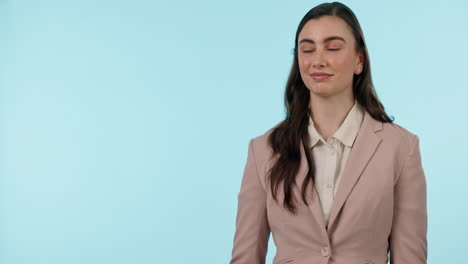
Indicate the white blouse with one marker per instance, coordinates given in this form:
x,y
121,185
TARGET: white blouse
x,y
330,156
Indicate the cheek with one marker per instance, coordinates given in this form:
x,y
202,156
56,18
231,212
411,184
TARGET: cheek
x,y
341,63
303,63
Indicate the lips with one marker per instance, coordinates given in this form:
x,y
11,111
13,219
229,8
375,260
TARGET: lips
x,y
320,76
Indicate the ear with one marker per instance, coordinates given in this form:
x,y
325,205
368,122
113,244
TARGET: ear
x,y
359,64
361,60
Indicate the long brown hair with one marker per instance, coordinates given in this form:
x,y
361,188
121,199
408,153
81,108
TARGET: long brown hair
x,y
285,138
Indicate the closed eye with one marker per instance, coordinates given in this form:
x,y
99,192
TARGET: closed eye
x,y
308,51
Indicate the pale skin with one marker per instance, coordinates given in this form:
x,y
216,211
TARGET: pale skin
x,y
330,99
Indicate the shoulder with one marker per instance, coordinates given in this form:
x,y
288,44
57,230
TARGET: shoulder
x,y
398,143
260,142
261,149
398,135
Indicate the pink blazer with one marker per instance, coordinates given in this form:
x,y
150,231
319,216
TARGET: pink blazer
x,y
379,209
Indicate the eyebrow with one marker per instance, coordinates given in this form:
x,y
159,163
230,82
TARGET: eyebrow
x,y
326,40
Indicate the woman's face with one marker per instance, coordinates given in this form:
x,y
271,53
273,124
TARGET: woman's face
x,y
327,45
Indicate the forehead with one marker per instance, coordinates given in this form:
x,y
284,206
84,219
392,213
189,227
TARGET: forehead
x,y
320,28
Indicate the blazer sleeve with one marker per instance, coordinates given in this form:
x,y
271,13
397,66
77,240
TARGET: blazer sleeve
x,y
252,228
408,238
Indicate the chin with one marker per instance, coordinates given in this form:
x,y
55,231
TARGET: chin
x,y
320,88
323,91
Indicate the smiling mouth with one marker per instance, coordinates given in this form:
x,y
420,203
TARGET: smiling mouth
x,y
320,77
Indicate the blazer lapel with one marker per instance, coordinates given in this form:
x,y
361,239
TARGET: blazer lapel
x,y
364,146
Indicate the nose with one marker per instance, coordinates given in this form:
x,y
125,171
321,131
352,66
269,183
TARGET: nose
x,y
318,59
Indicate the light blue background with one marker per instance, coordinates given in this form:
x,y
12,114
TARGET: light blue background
x,y
125,124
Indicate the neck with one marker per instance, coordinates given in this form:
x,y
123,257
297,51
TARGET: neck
x,y
329,113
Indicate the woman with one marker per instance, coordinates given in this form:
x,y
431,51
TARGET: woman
x,y
337,181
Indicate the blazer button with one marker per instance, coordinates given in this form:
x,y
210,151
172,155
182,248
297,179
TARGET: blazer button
x,y
325,251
